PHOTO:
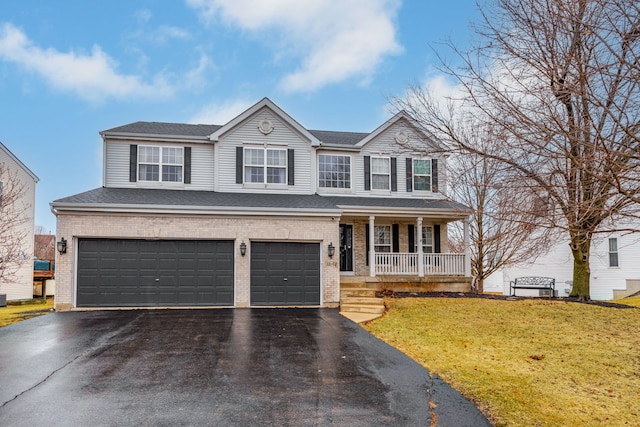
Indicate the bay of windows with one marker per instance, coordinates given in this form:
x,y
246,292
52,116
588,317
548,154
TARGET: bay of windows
x,y
265,165
163,164
334,171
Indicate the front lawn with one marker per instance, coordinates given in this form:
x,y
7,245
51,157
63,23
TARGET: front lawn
x,y
13,313
526,362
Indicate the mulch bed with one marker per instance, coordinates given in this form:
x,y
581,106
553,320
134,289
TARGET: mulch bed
x,y
392,294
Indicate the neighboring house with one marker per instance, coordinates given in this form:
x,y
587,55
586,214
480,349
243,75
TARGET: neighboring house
x,y
14,173
257,212
614,262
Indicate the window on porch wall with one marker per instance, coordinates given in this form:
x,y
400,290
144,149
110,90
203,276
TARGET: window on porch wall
x,y
427,239
382,238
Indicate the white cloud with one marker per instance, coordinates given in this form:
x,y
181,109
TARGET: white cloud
x,y
93,76
220,114
334,39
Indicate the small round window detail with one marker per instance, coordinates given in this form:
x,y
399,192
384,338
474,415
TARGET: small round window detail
x,y
402,137
265,126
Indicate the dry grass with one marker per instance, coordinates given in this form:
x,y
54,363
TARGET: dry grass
x,y
15,313
527,362
633,301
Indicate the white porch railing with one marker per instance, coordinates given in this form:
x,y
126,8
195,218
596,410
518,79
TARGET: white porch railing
x,y
404,263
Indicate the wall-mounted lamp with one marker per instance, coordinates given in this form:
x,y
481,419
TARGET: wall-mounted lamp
x,y
243,248
332,250
62,246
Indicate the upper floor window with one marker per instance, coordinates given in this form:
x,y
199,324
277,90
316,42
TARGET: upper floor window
x,y
422,174
334,171
164,164
380,173
613,252
265,165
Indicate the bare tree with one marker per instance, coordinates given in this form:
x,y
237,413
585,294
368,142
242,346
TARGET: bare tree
x,y
499,233
44,243
559,80
13,214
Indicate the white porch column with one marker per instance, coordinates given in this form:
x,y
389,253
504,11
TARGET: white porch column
x,y
420,254
467,248
372,247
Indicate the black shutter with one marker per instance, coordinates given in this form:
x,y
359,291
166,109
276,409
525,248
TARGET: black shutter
x,y
290,167
133,163
187,165
239,165
434,175
394,174
395,238
409,175
366,239
436,238
367,173
411,233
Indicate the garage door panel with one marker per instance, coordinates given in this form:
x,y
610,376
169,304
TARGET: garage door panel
x,y
154,272
279,273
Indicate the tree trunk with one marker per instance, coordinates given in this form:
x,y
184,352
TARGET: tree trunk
x,y
581,270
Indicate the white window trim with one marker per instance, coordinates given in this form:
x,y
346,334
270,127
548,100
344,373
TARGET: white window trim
x,y
264,183
417,240
616,252
337,189
414,174
160,165
375,239
388,174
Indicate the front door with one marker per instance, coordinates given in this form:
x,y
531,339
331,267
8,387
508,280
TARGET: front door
x,y
346,247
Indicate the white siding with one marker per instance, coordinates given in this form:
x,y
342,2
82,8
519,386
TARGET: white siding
x,y
558,263
22,285
385,145
283,135
117,166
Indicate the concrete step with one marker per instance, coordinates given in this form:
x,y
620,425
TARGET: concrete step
x,y
362,300
357,292
361,308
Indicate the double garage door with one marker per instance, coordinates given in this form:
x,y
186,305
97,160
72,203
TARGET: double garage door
x,y
147,273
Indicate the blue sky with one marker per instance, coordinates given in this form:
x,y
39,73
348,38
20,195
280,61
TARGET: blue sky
x,y
69,71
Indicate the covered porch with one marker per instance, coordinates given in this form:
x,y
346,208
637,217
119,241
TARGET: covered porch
x,y
404,252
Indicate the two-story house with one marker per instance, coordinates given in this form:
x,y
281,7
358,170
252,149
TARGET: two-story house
x,y
257,212
17,217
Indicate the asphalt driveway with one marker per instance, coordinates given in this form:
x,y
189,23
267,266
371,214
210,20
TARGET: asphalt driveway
x,y
223,367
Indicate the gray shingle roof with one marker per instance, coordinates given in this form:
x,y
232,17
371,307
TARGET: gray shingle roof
x,y
159,197
183,129
159,128
338,138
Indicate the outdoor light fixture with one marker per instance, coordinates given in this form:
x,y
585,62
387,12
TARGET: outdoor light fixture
x,y
243,248
332,250
62,246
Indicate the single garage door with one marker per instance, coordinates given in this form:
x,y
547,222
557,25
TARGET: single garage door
x,y
147,273
284,273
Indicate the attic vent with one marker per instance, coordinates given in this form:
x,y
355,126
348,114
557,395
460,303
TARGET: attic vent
x,y
265,126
